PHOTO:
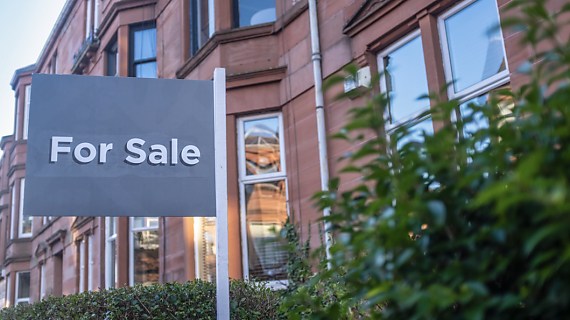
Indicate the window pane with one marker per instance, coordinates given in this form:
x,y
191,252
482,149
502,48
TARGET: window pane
x,y
206,243
252,12
199,24
266,212
112,226
475,44
111,268
406,80
145,222
23,285
146,70
262,149
145,262
417,133
112,60
145,44
26,222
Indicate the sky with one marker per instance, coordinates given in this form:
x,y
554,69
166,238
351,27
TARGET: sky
x,y
24,28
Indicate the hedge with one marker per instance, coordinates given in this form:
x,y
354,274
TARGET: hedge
x,y
191,300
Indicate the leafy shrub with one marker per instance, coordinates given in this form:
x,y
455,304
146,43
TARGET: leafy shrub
x,y
191,300
458,227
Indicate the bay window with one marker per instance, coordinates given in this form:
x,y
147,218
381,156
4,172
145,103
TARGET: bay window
x,y
474,64
263,197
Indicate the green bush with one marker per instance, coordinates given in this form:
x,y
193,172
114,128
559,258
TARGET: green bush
x,y
458,227
191,300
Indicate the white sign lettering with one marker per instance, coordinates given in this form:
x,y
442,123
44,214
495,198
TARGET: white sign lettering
x,y
159,154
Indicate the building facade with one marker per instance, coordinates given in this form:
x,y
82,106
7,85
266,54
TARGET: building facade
x,y
274,168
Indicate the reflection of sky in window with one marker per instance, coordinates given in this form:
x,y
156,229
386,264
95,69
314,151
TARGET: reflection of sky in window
x,y
416,133
145,44
268,127
406,80
475,44
478,120
252,12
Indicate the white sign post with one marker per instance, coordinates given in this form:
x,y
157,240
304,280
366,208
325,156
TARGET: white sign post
x,y
222,275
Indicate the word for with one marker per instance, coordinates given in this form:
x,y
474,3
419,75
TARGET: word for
x,y
159,154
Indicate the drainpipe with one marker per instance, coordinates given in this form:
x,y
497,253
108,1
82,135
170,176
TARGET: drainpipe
x,y
320,112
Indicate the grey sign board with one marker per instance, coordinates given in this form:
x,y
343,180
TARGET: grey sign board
x,y
107,146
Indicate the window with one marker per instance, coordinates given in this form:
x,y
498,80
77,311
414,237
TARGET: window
x,y
53,64
205,248
263,196
13,217
143,253
17,117
112,53
201,23
111,265
90,262
25,221
46,219
474,63
8,302
22,288
27,97
91,18
472,48
404,80
252,12
82,262
143,51
474,57
42,281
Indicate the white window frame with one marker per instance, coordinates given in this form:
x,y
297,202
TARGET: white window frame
x,y
482,86
244,179
21,233
27,100
90,262
42,280
13,212
110,239
132,231
8,301
88,19
82,264
380,63
20,300
17,117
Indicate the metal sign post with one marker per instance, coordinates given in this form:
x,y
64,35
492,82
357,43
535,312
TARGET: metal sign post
x,y
222,275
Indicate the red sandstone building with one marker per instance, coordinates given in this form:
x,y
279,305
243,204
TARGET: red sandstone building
x,y
273,138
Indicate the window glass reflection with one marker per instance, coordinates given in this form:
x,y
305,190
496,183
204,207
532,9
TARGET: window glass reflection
x,y
405,80
266,212
252,12
417,133
475,44
23,285
145,44
145,262
262,149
